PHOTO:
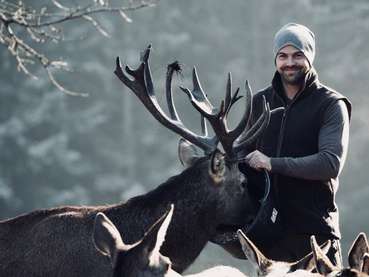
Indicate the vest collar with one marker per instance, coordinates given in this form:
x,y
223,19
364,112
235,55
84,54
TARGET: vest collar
x,y
310,84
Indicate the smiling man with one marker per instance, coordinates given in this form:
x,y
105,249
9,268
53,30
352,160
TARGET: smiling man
x,y
304,147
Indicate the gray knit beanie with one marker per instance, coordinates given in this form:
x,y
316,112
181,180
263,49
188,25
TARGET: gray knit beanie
x,y
298,36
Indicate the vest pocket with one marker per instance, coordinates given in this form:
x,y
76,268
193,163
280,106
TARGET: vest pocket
x,y
324,198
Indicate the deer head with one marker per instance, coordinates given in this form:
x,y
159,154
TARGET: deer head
x,y
221,162
139,259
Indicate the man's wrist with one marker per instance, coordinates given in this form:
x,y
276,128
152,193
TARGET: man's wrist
x,y
269,164
276,164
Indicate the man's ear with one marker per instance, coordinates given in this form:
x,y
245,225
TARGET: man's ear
x,y
188,153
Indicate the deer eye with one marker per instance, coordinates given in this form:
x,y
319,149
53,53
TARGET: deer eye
x,y
217,167
217,163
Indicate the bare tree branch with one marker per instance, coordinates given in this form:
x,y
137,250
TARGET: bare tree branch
x,y
22,25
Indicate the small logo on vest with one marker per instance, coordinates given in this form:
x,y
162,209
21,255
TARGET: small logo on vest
x,y
274,215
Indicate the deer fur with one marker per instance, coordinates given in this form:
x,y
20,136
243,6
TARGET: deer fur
x,y
56,241
357,251
143,259
264,267
325,267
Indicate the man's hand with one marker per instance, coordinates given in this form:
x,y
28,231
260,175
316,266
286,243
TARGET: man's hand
x,y
258,161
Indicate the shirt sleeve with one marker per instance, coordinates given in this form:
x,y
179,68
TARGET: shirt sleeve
x,y
333,145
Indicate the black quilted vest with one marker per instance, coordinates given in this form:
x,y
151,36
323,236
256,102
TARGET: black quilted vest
x,y
306,206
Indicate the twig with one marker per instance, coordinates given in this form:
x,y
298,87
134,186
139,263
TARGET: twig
x,y
43,26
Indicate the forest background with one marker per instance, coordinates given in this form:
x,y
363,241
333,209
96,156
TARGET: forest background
x,y
57,149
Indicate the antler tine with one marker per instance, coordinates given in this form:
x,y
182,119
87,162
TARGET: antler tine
x,y
218,117
173,113
219,120
228,96
251,136
201,103
234,99
170,70
248,136
237,131
257,128
204,128
143,88
138,74
146,54
147,74
197,86
198,97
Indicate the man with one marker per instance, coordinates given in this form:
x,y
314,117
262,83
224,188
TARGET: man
x,y
304,147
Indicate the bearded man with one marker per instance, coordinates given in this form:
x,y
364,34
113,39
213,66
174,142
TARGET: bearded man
x,y
304,147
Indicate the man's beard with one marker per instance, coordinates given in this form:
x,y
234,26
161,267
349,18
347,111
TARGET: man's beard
x,y
293,78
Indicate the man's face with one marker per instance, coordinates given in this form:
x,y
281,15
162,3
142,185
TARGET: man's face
x,y
292,65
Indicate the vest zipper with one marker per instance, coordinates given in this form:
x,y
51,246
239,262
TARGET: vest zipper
x,y
280,139
281,133
279,148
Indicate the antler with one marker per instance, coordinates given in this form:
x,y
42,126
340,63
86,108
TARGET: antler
x,y
218,117
142,86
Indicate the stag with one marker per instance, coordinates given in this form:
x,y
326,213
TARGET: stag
x,y
143,259
210,193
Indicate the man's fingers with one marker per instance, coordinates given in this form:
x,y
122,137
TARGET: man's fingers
x,y
253,161
252,155
257,160
249,156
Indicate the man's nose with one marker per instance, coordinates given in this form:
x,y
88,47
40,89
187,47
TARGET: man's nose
x,y
290,61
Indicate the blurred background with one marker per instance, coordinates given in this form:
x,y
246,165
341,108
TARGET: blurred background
x,y
57,149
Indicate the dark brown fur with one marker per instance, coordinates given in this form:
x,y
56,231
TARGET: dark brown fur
x,y
57,242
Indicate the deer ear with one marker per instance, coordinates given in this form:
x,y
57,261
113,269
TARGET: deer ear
x,y
252,253
217,166
155,237
358,248
323,264
188,153
365,267
308,263
106,237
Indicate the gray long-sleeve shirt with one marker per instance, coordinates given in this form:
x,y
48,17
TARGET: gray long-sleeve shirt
x,y
333,145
